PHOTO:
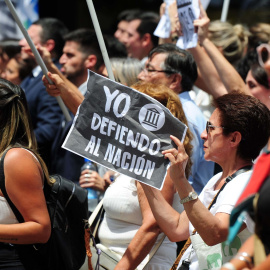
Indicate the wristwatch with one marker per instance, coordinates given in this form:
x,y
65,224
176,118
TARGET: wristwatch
x,y
191,196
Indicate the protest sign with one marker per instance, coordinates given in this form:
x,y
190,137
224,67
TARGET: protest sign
x,y
163,29
188,11
124,130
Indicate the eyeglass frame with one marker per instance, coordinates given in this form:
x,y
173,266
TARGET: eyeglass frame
x,y
259,51
149,70
208,125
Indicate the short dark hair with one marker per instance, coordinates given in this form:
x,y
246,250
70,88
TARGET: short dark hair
x,y
55,29
244,64
88,43
149,22
178,61
10,47
114,47
129,15
247,115
260,75
25,65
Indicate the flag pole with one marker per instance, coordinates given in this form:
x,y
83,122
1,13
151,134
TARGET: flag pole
x,y
225,10
37,56
100,39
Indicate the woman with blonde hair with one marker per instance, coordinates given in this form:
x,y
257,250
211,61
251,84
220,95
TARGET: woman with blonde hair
x,y
231,40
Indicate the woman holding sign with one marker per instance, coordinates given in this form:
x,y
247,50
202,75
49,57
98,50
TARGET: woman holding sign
x,y
236,132
129,227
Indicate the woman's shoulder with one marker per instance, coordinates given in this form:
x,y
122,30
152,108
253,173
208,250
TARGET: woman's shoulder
x,y
20,158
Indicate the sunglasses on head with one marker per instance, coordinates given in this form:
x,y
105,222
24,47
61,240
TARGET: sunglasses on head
x,y
263,53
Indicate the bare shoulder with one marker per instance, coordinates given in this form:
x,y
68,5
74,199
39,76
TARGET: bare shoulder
x,y
19,161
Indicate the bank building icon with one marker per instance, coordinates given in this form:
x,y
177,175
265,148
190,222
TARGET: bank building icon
x,y
151,117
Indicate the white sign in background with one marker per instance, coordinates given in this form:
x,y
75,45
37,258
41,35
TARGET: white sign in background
x,y
164,26
188,11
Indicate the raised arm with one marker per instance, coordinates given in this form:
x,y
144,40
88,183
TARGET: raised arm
x,y
62,87
227,73
172,223
146,236
212,229
70,94
208,77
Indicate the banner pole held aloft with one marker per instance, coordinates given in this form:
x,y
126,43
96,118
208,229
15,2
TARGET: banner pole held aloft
x,y
100,39
225,9
37,56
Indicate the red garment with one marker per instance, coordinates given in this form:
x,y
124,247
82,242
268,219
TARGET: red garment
x,y
260,172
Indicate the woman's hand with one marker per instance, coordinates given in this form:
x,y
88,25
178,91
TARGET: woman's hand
x,y
178,158
202,25
175,24
91,179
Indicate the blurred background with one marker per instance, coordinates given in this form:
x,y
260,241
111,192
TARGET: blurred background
x,y
75,13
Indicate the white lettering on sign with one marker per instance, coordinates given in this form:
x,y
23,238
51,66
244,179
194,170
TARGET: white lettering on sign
x,y
121,98
127,161
123,135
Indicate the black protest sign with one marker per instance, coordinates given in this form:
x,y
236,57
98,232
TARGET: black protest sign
x,y
124,130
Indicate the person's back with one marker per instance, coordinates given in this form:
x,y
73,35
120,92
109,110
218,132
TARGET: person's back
x,y
44,109
22,180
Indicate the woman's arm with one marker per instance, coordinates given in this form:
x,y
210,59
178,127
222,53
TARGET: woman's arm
x,y
172,223
146,236
208,77
212,229
227,73
24,185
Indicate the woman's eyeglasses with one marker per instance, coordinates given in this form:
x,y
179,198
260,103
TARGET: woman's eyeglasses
x,y
263,53
208,126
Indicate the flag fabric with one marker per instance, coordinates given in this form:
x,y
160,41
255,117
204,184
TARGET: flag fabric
x,y
27,11
244,204
124,130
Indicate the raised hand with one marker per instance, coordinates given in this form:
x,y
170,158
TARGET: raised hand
x,y
202,24
178,158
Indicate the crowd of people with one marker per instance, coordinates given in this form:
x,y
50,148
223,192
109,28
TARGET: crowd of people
x,y
220,89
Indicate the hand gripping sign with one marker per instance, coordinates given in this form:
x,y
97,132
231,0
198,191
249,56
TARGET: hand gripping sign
x,y
124,130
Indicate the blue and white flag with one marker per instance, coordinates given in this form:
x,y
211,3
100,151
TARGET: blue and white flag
x,y
27,11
